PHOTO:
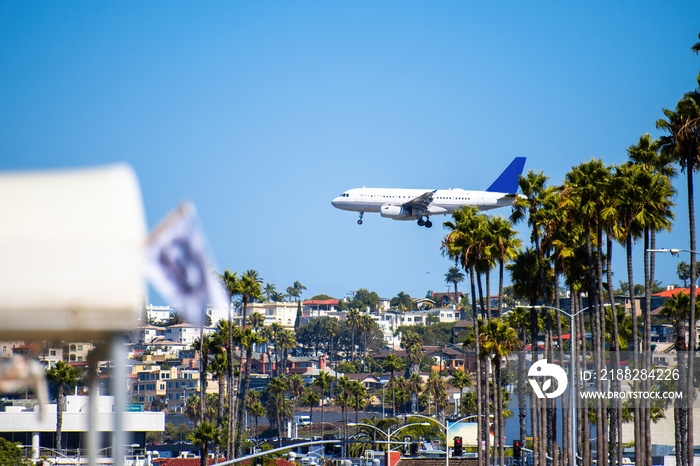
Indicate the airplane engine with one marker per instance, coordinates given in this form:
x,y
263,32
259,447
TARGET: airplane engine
x,y
397,212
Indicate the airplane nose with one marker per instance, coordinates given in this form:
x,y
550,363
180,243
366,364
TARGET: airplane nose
x,y
334,202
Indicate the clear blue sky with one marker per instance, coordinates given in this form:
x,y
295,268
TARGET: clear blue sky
x,y
262,112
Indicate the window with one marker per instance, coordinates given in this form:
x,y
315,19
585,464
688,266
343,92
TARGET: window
x,y
52,352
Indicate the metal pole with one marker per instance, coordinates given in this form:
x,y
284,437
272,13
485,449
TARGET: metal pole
x,y
572,401
118,391
383,414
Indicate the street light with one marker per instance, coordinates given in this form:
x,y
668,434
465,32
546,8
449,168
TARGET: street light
x,y
388,433
340,434
674,252
447,432
572,398
383,382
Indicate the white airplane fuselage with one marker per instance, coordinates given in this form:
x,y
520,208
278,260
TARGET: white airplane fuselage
x,y
420,204
388,201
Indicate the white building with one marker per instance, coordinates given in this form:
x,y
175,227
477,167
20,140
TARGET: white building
x,y
158,313
185,333
28,427
283,313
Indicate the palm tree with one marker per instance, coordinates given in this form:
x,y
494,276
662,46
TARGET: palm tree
x,y
506,247
204,435
62,375
413,385
454,276
462,245
584,195
353,318
249,338
413,344
435,386
256,410
269,290
277,387
286,340
677,309
683,143
296,388
298,289
498,340
393,363
519,320
459,380
359,395
404,302
310,399
230,282
323,382
202,346
218,368
342,398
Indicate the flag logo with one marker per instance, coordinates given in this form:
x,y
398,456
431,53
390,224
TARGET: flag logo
x,y
179,266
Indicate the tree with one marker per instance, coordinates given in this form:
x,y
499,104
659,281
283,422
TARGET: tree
x,y
230,283
204,435
286,340
519,320
413,344
403,302
359,396
506,246
498,340
435,386
460,380
683,272
323,382
462,245
11,455
218,368
454,276
310,399
249,337
683,143
392,364
277,387
61,375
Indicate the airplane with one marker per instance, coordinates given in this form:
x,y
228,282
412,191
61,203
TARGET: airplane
x,y
420,204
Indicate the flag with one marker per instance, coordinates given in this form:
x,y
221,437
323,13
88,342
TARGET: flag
x,y
179,267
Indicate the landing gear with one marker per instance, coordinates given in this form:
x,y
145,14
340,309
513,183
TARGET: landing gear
x,y
426,223
359,222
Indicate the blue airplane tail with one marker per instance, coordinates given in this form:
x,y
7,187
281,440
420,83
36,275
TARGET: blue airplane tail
x,y
507,182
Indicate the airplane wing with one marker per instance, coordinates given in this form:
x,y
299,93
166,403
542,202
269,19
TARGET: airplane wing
x,y
421,202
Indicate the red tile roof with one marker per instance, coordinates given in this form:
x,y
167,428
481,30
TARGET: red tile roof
x,y
673,292
321,301
195,462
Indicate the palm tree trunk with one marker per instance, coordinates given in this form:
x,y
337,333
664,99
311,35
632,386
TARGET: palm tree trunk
x,y
602,442
615,407
480,452
646,349
501,266
59,416
229,434
635,345
243,401
220,413
692,337
595,328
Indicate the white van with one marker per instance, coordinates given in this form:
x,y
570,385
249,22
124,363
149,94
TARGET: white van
x,y
302,420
